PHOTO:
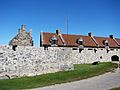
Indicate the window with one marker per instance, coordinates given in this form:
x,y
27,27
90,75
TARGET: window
x,y
80,41
54,41
106,43
112,49
90,49
74,48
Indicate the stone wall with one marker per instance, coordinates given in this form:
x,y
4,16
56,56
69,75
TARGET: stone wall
x,y
90,55
30,61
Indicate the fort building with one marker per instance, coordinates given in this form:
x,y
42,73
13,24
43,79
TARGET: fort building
x,y
68,40
57,52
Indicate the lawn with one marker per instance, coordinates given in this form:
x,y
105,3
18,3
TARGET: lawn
x,y
115,88
81,71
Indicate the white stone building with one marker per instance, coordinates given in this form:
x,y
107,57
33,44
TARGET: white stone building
x,y
90,48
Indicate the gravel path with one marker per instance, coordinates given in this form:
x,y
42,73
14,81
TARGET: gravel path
x,y
101,82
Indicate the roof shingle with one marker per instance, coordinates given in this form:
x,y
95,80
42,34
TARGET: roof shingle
x,y
71,40
111,41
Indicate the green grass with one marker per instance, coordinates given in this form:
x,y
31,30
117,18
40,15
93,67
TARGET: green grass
x,y
81,71
118,88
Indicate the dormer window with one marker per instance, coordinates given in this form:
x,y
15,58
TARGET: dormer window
x,y
106,43
80,41
54,41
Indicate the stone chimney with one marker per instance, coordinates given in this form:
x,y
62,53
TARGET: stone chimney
x,y
90,34
23,27
58,32
111,36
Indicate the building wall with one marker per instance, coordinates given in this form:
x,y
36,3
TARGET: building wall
x,y
88,55
30,61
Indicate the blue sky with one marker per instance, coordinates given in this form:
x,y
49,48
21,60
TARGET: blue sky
x,y
101,17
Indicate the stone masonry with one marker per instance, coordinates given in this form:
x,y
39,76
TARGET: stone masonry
x,y
31,61
23,38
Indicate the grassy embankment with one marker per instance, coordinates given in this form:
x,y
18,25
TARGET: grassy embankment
x,y
81,71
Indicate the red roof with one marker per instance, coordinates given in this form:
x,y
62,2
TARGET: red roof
x,y
47,36
71,40
111,41
118,40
